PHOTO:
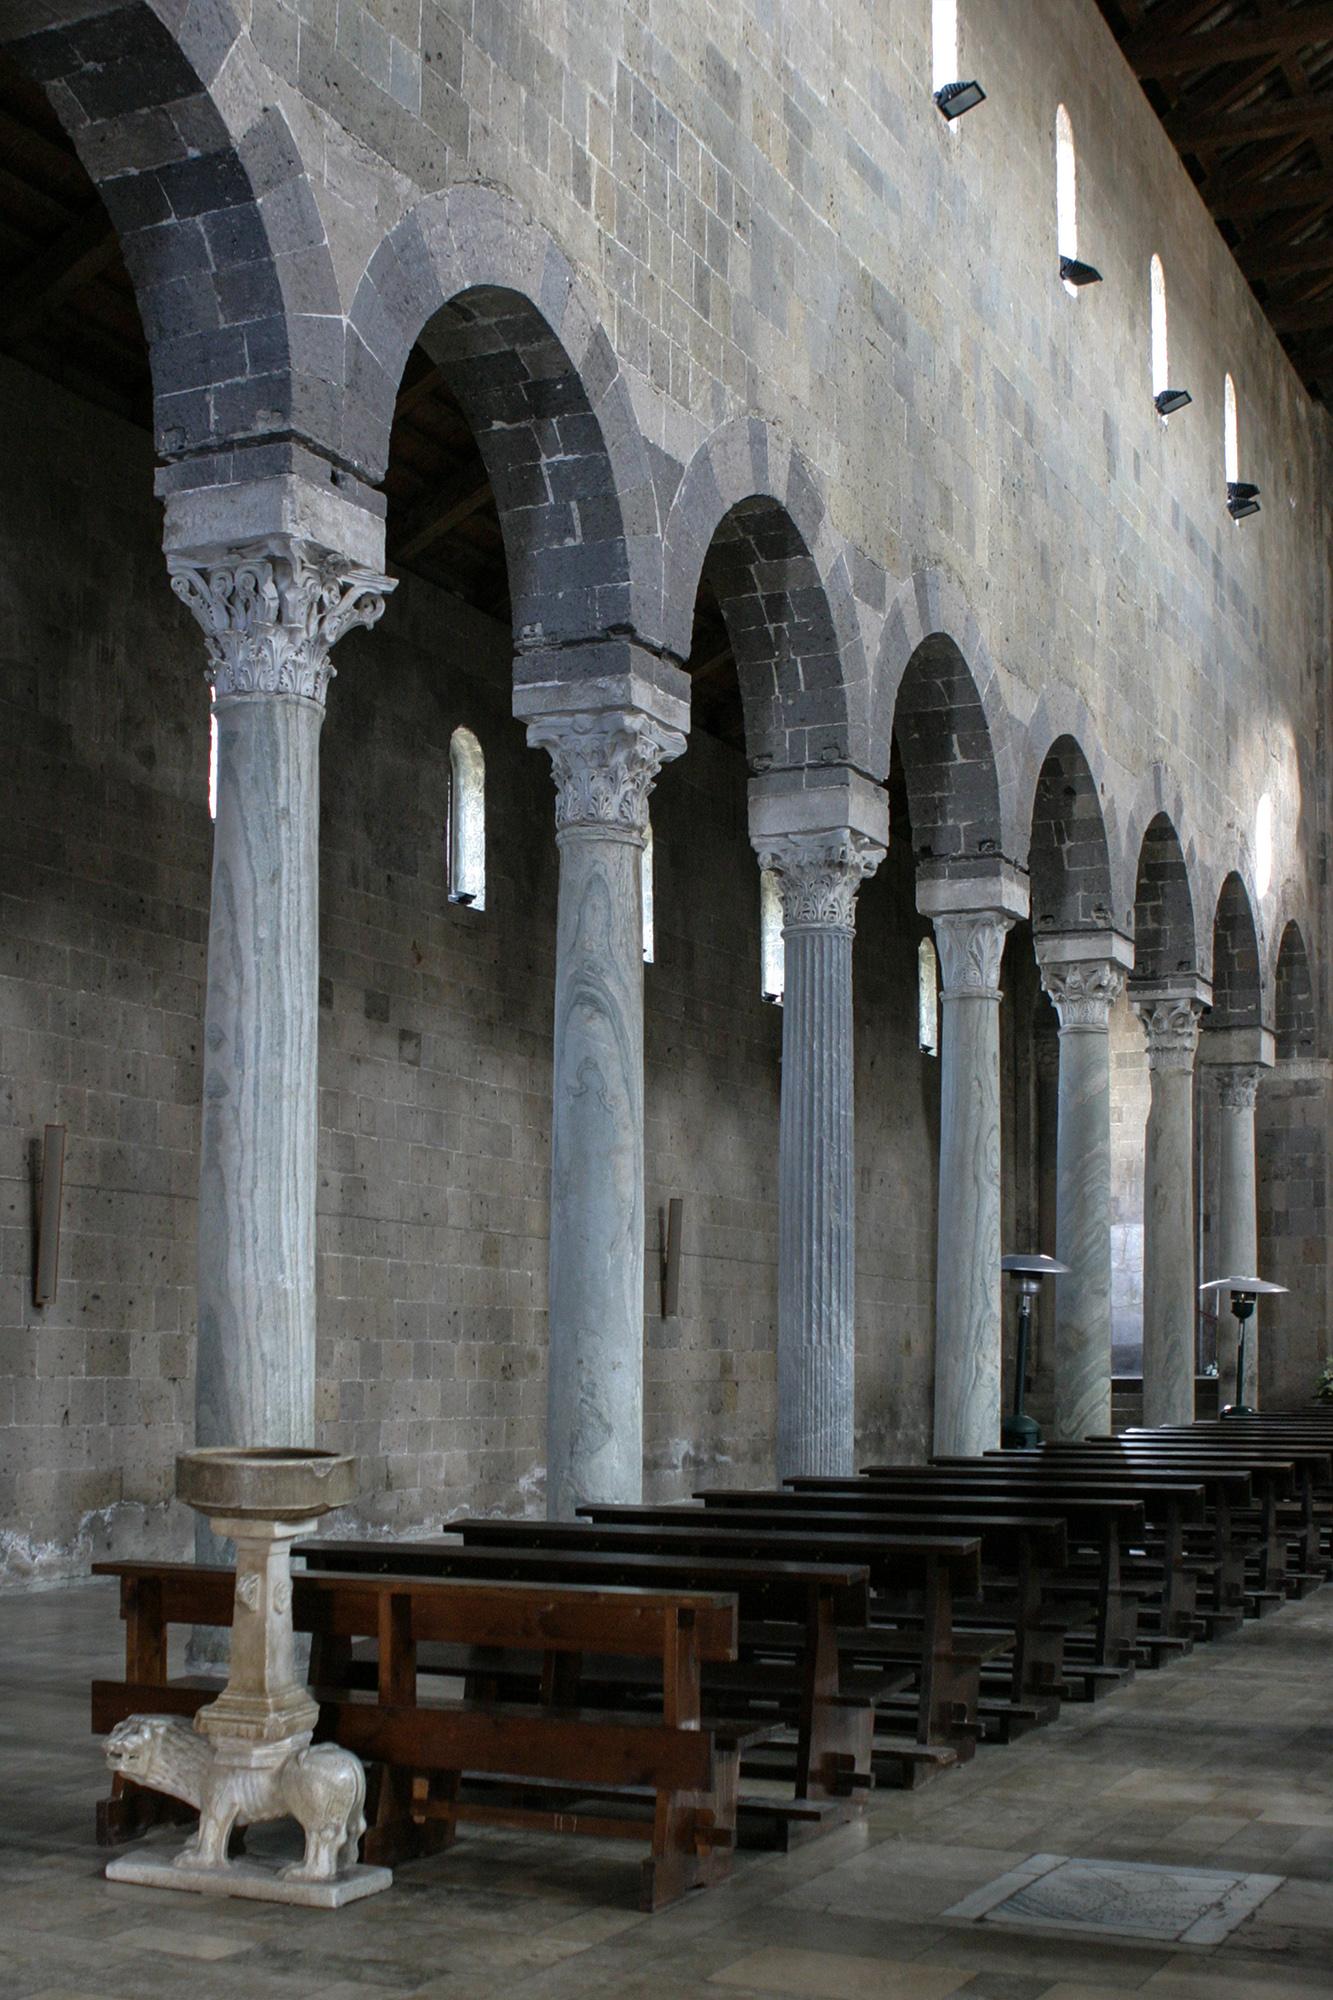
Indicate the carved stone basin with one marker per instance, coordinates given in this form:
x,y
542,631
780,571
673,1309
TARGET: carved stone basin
x,y
265,1482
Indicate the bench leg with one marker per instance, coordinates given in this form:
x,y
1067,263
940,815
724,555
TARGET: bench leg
x,y
407,1816
130,1810
694,1834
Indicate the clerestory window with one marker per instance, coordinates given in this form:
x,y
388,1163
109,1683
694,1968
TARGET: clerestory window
x,y
467,820
772,951
927,998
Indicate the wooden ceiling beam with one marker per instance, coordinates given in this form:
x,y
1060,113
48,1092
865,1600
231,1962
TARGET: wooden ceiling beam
x,y
1291,118
456,502
76,257
1289,260
1283,191
1150,53
1315,317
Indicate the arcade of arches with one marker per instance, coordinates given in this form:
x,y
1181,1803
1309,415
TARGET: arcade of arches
x,y
351,1154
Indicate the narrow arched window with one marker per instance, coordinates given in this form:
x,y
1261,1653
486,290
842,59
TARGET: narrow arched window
x,y
927,998
646,892
772,951
1161,373
1230,432
212,758
1066,190
944,66
467,820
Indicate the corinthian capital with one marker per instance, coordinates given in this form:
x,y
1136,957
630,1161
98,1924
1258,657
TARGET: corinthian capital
x,y
971,946
1237,1085
605,763
819,875
272,611
1084,994
1171,1025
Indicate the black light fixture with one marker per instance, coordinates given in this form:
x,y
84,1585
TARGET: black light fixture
x,y
1243,1293
1020,1432
953,99
1167,401
1242,498
1075,273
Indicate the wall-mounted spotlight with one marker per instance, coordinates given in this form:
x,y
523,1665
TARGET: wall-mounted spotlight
x,y
1167,401
1242,499
953,99
1075,273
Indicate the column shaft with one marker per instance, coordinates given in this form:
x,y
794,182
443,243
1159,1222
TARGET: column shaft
x,y
1237,1234
595,1390
1083,994
967,1285
604,762
1170,1299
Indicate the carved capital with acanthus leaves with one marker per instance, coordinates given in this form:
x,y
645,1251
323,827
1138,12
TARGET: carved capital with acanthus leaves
x,y
1083,994
818,875
1237,1085
1171,1025
272,611
605,763
971,946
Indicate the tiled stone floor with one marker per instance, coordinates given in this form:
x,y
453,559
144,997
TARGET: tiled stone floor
x,y
1225,1761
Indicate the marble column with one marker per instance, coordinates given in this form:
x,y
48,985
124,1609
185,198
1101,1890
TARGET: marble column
x,y
1236,1240
818,874
271,610
605,762
968,1307
1083,993
1046,1060
1170,1297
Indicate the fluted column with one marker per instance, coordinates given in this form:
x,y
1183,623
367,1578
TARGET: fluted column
x,y
271,610
604,762
818,874
1236,1240
1170,1299
1083,993
968,1323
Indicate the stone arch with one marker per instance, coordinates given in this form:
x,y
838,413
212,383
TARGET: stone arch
x,y
949,764
221,234
749,513
1068,856
1237,968
495,303
1166,946
930,635
1295,1018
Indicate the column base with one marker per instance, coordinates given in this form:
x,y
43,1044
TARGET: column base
x,y
251,1879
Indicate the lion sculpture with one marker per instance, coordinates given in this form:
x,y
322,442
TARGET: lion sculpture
x,y
324,1787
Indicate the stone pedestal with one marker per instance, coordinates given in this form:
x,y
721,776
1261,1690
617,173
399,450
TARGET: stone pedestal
x,y
1236,1238
1083,992
1171,1024
605,761
818,874
968,1308
248,1756
271,611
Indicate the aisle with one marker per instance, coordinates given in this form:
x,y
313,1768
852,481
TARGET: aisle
x,y
1225,1762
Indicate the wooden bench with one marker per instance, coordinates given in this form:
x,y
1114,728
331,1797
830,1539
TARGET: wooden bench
x,y
932,1568
541,1762
827,1728
1020,1555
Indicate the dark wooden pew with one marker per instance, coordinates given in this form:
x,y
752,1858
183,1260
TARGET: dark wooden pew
x,y
1102,1526
551,1756
1017,1555
830,1766
932,1569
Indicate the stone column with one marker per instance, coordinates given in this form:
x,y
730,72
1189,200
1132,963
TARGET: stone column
x,y
1046,1059
1170,1297
968,1306
605,761
1083,993
1236,1251
271,610
819,874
